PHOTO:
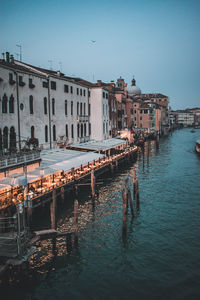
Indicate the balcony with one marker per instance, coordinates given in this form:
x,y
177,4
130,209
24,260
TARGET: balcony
x,y
17,159
31,85
21,83
82,118
11,81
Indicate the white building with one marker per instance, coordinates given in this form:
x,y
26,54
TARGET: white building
x,y
99,113
42,104
185,118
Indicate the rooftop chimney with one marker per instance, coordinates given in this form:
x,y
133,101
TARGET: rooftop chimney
x,y
7,57
3,56
12,59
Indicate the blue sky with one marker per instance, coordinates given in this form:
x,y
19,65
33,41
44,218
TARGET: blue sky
x,y
157,41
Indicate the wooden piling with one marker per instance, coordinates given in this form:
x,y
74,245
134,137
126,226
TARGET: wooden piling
x,y
134,180
75,221
130,203
92,184
137,195
111,168
53,210
125,202
69,242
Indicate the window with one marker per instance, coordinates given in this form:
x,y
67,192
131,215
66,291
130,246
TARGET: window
x,y
89,128
106,127
140,118
81,92
53,85
45,84
89,109
131,111
103,128
72,131
77,91
71,108
77,130
46,133
81,109
84,129
106,109
31,104
45,105
21,83
31,85
11,80
103,94
71,89
66,107
106,96
11,104
141,111
66,88
77,108
5,137
135,111
88,93
145,111
32,132
54,133
4,104
66,131
81,130
135,119
12,138
84,109
53,106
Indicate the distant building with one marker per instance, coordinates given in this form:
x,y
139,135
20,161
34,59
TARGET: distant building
x,y
184,119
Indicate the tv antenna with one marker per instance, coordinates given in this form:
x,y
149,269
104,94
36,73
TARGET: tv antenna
x,y
20,52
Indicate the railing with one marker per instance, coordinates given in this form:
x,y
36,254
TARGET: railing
x,y
18,159
83,118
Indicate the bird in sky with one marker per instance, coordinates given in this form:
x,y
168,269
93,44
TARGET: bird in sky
x,y
93,41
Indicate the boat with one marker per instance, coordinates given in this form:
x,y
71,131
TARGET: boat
x,y
192,130
197,147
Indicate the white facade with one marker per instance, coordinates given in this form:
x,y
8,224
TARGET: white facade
x,y
186,119
99,114
42,104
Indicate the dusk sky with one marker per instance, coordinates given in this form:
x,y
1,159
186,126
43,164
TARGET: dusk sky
x,y
157,41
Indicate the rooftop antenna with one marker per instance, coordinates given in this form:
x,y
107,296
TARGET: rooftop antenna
x,y
20,52
50,61
60,64
17,54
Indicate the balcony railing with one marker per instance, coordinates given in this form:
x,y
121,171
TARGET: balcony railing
x,y
83,118
18,159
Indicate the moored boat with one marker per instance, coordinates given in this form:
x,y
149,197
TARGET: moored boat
x,y
197,147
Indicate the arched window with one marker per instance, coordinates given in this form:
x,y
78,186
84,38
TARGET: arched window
x,y
31,104
89,128
5,138
77,108
81,130
78,130
32,132
11,104
84,108
66,107
46,133
81,109
72,131
84,129
53,106
12,138
54,133
66,131
4,104
45,105
1,144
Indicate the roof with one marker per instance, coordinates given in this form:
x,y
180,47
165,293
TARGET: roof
x,y
100,145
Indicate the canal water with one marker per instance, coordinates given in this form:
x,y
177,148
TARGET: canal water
x,y
158,258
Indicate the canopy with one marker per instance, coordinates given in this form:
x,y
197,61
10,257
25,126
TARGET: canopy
x,y
76,162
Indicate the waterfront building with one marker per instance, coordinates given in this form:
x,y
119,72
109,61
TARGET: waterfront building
x,y
41,106
184,119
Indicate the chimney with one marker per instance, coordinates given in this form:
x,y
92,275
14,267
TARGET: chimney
x,y
12,59
3,56
7,57
99,82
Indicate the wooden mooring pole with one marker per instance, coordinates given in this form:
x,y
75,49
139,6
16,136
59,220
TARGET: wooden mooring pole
x,y
125,206
92,184
53,210
130,203
134,179
75,221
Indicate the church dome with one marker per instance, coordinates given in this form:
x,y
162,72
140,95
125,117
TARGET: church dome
x,y
133,89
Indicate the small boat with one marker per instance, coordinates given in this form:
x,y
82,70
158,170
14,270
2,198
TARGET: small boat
x,y
192,130
197,147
